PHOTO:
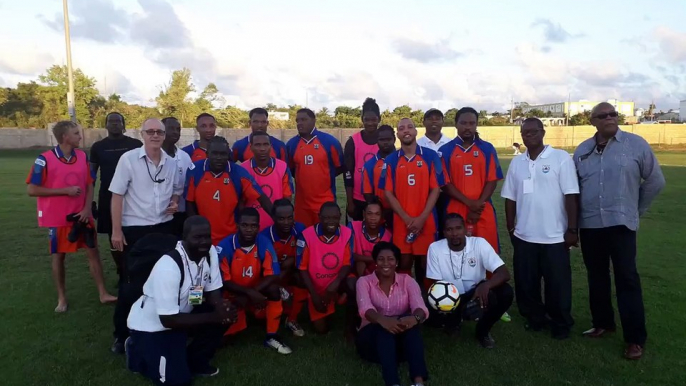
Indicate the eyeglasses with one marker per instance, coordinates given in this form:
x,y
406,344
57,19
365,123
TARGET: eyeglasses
x,y
152,132
612,114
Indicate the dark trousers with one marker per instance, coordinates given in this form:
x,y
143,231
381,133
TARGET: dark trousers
x,y
499,301
177,224
441,212
165,358
126,297
551,263
375,344
618,244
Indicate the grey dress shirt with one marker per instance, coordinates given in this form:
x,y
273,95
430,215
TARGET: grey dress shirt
x,y
619,184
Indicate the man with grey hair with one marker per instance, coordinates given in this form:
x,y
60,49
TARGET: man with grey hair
x,y
619,177
146,188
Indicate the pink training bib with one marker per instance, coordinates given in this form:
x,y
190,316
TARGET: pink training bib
x,y
53,211
271,185
363,153
326,260
363,246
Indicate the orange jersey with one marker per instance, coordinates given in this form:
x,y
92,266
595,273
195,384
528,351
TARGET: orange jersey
x,y
246,266
314,164
469,169
216,196
412,179
195,151
285,248
371,173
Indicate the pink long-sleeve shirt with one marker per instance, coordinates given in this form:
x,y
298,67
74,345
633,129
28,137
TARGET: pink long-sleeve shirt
x,y
404,297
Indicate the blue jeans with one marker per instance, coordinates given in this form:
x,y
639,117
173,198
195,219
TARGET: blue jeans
x,y
375,344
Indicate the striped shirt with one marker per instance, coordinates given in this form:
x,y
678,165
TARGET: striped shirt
x,y
403,299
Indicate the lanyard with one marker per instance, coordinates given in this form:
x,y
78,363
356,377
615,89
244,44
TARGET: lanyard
x,y
452,266
200,266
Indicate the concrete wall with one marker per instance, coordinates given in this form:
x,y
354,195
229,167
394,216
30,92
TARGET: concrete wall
x,y
500,136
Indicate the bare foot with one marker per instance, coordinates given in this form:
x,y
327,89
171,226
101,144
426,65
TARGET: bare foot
x,y
107,298
61,306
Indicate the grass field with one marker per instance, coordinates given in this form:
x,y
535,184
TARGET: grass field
x,y
42,348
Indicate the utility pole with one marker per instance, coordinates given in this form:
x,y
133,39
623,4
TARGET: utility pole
x,y
70,95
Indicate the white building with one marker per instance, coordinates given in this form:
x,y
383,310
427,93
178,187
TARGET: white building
x,y
278,115
560,109
682,111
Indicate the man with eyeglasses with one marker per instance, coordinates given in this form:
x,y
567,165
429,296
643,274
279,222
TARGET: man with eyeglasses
x,y
540,192
146,188
619,178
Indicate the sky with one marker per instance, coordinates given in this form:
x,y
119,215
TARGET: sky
x,y
425,53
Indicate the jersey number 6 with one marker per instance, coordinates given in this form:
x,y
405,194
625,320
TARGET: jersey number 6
x,y
309,159
410,180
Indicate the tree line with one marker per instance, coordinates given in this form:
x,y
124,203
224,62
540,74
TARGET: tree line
x,y
44,100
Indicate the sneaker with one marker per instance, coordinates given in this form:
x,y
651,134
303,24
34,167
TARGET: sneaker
x,y
295,328
274,343
128,343
117,346
285,295
487,341
209,371
506,318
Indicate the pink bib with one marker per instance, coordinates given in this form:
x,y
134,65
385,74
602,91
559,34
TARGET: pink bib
x,y
53,211
326,260
363,153
271,185
363,246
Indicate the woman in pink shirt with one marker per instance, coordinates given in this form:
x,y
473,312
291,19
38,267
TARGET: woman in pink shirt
x,y
392,308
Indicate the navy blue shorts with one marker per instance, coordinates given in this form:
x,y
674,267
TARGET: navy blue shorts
x,y
159,356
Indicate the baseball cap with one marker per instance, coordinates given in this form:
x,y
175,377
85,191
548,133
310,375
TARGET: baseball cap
x,y
432,111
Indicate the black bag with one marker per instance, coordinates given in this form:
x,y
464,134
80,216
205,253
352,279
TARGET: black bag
x,y
144,255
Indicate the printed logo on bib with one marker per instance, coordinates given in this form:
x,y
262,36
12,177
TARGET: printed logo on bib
x,y
71,179
368,156
268,190
330,261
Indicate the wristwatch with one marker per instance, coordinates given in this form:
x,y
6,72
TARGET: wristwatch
x,y
418,318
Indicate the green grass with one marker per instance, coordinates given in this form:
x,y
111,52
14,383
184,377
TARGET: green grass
x,y
42,348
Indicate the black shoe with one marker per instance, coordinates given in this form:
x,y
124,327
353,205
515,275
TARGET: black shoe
x,y
534,326
486,341
560,335
118,346
209,371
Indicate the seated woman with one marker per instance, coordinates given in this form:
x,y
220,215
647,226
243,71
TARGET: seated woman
x,y
391,307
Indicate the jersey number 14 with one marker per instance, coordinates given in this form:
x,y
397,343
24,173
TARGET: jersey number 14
x,y
247,271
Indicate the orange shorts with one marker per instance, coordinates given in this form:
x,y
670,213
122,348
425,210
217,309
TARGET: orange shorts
x,y
59,242
306,216
486,227
316,315
421,243
242,321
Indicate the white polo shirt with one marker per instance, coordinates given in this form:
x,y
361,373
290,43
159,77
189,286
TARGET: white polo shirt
x,y
465,269
145,200
183,165
539,188
161,290
428,143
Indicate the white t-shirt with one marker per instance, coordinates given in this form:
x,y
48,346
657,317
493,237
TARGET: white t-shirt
x,y
183,165
539,188
161,290
465,269
144,199
428,143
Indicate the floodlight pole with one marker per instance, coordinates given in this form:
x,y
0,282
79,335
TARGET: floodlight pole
x,y
70,94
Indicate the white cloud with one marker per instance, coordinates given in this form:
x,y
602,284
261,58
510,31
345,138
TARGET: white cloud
x,y
672,44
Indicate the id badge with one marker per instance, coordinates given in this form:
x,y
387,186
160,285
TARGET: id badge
x,y
195,295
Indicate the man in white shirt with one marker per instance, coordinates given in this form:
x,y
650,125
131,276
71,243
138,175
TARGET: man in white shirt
x,y
433,137
464,262
166,314
540,193
172,127
146,188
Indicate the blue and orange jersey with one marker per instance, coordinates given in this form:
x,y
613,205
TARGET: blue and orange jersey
x,y
242,152
39,170
371,173
284,248
217,195
314,165
412,179
246,266
303,250
469,169
196,152
285,186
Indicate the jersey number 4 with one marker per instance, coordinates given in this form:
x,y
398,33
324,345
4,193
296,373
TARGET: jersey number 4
x,y
247,271
309,159
216,195
468,170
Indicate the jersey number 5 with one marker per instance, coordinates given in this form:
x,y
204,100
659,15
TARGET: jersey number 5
x,y
410,180
216,195
309,159
468,170
247,271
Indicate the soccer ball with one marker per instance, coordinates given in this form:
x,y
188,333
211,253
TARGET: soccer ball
x,y
444,296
